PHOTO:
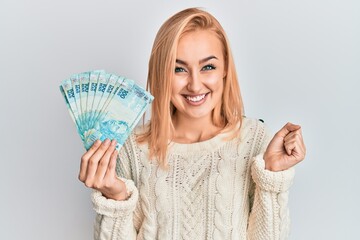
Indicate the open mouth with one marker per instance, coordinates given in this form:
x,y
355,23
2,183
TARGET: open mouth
x,y
195,98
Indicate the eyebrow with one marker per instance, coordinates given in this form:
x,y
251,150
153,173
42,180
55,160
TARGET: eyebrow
x,y
200,62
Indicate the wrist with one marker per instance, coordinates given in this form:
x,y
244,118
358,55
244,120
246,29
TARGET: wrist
x,y
271,168
271,164
124,194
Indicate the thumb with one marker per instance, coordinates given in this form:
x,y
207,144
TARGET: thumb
x,y
289,127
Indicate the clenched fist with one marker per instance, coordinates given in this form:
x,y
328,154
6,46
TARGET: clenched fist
x,y
286,149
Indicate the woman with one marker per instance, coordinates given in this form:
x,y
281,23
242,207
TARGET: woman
x,y
198,169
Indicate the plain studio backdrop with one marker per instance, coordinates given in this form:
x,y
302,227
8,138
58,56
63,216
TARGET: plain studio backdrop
x,y
297,61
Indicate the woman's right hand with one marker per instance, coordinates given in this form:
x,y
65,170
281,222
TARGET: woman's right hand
x,y
97,170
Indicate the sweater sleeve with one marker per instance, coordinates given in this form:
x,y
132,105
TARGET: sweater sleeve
x,y
269,213
114,219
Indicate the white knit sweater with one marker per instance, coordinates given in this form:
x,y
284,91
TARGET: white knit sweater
x,y
213,189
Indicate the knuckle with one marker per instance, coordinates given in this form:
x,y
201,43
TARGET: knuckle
x,y
96,185
102,163
93,161
88,183
108,184
84,158
81,178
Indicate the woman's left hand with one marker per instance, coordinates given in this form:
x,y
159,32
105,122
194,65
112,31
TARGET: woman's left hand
x,y
286,149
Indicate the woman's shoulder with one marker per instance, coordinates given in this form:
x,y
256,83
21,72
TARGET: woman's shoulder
x,y
256,131
252,124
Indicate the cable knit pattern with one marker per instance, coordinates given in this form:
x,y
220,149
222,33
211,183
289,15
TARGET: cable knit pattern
x,y
215,189
271,181
116,209
115,214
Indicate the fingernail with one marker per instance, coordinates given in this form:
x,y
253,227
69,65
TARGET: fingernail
x,y
113,142
106,142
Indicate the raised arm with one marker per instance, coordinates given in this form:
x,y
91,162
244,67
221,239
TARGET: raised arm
x,y
272,175
114,197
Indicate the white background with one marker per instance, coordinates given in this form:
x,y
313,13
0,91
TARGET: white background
x,y
297,61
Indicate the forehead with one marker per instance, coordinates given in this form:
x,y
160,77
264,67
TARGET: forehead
x,y
199,43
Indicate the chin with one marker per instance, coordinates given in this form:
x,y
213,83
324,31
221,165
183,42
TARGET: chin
x,y
204,115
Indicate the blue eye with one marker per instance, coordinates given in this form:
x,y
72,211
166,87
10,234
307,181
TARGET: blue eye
x,y
208,67
179,69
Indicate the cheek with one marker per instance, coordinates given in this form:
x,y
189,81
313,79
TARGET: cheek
x,y
178,83
215,81
175,90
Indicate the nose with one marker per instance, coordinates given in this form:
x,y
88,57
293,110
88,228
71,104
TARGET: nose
x,y
194,82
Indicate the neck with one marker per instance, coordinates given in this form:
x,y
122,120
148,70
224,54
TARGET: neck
x,y
193,130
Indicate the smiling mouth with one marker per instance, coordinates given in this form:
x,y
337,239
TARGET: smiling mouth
x,y
195,98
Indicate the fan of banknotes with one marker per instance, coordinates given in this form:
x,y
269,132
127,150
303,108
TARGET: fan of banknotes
x,y
104,105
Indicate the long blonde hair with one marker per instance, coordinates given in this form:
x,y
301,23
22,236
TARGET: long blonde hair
x,y
161,70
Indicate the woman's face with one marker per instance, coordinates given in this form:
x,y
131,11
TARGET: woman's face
x,y
197,85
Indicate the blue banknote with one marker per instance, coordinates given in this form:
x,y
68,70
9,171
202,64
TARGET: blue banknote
x,y
104,105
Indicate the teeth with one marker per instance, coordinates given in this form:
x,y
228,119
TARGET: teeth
x,y
196,99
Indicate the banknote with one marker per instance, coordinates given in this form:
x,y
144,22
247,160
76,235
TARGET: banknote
x,y
67,103
104,105
68,91
99,93
76,89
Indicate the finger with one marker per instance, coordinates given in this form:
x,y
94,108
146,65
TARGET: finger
x,y
298,138
111,172
293,135
293,148
85,158
104,162
93,162
289,146
289,127
301,149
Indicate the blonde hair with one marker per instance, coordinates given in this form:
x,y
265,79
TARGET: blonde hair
x,y
227,115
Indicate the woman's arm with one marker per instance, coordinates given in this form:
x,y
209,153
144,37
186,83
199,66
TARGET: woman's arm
x,y
272,175
115,219
269,216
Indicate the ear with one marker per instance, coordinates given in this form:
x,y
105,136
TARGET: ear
x,y
225,74
224,77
